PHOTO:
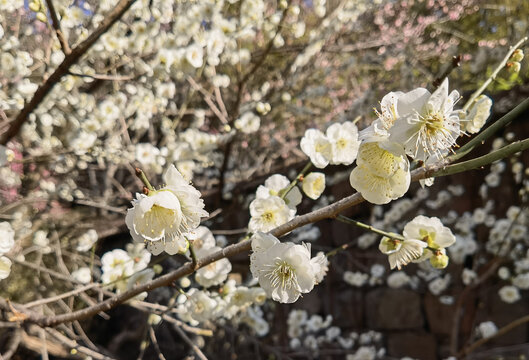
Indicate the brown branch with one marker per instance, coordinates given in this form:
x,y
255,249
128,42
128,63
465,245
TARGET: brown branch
x,y
57,27
500,332
193,346
70,59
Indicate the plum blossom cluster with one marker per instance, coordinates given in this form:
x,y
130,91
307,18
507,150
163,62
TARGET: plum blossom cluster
x,y
237,303
424,239
122,270
315,332
418,124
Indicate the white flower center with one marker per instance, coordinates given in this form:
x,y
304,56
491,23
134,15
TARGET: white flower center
x,y
268,216
283,275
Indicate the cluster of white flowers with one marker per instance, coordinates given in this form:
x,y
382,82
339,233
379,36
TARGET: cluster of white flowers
x,y
312,332
204,244
122,270
273,206
285,270
234,302
338,146
424,239
417,124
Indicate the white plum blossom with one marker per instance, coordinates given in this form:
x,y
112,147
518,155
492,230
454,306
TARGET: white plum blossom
x,y
86,241
269,213
477,115
248,123
313,184
381,176
432,231
116,265
214,273
275,185
509,294
82,275
195,55
198,306
427,124
147,154
317,147
398,279
139,278
487,329
7,237
5,267
7,241
163,217
401,252
284,270
357,278
320,266
344,141
438,285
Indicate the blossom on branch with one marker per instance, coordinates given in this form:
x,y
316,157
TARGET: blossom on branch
x,y
164,217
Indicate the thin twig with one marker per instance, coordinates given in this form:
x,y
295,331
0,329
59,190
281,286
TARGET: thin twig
x,y
184,337
57,27
495,73
500,332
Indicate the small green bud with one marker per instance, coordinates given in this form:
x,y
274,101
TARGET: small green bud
x,y
439,260
157,268
283,4
517,55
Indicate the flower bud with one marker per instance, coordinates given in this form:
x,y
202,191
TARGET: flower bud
x,y
439,260
513,67
517,55
42,17
185,282
34,6
157,268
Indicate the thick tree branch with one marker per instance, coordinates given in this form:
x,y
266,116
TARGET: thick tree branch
x,y
63,69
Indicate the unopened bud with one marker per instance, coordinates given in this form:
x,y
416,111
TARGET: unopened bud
x,y
283,4
34,6
439,260
185,282
513,67
42,17
517,55
157,268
